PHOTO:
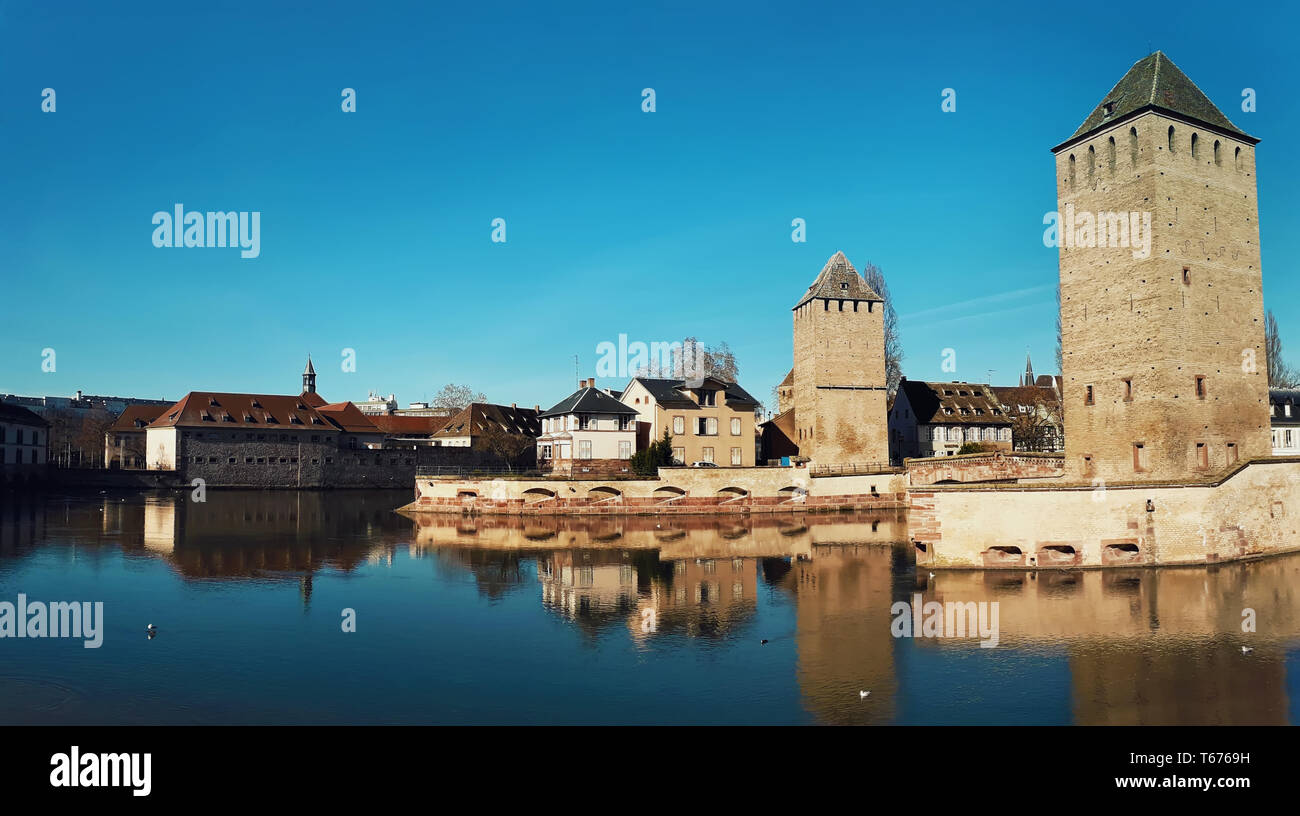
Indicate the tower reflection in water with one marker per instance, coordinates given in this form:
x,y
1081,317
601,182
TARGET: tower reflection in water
x,y
1130,647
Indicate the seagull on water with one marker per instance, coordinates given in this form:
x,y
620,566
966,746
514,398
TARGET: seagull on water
x,y
1246,650
932,575
862,695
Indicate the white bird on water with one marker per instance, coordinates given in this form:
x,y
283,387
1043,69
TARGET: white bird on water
x,y
862,695
151,629
1246,650
932,575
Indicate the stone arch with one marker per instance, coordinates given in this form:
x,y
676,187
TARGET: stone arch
x,y
604,493
732,493
533,495
665,494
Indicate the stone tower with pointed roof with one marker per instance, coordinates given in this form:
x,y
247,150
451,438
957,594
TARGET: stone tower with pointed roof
x,y
839,369
1162,329
309,378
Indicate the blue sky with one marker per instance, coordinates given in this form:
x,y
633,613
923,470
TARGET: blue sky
x,y
376,225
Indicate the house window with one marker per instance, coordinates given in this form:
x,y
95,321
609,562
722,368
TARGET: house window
x,y
679,456
1200,386
679,425
1087,397
584,448
584,422
624,449
707,426
546,451
735,456
707,454
708,398
735,426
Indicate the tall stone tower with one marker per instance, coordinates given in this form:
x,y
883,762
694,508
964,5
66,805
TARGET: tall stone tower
x,y
1162,326
839,369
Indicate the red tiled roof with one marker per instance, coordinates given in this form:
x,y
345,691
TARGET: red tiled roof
x,y
348,417
199,409
311,397
396,425
136,417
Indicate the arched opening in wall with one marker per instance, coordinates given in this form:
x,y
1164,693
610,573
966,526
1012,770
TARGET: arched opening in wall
x,y
533,495
1092,163
1120,552
540,533
1171,138
1008,555
1057,555
1218,160
1110,154
1133,146
667,494
730,494
1236,159
466,495
1072,171
1196,140
793,494
604,493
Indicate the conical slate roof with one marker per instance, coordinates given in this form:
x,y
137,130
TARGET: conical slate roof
x,y
839,281
1155,83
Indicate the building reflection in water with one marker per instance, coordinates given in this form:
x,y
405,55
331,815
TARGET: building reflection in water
x,y
1146,646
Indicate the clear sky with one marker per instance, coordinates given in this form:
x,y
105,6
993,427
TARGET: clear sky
x,y
376,225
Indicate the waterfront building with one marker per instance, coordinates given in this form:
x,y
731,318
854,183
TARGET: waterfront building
x,y
937,418
710,420
1284,407
125,445
1162,330
587,432
24,444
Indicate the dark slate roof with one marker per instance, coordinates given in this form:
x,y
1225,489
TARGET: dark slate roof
x,y
480,417
1278,397
930,399
668,393
838,280
21,416
1155,83
587,401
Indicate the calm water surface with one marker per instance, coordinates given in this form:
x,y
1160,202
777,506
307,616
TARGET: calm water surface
x,y
638,620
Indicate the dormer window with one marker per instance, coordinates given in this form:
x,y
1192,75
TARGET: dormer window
x,y
1109,108
257,404
213,401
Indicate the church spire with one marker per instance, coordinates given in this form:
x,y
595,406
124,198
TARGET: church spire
x,y
309,378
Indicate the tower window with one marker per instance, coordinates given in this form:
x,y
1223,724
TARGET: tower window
x,y
1232,453
1109,107
1110,154
1195,140
1072,172
1187,276
1218,160
1087,397
844,286
1133,146
1200,386
1236,158
1140,459
1092,162
1171,138
1128,389
1202,456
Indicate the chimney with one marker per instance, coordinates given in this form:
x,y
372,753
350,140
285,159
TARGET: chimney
x,y
537,408
512,405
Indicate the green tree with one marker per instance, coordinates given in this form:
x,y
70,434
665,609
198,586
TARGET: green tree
x,y
658,454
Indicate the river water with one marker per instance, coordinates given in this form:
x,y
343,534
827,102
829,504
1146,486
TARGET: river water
x,y
684,620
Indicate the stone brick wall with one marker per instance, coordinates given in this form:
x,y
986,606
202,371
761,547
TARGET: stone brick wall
x,y
1141,320
298,463
1254,511
984,467
676,491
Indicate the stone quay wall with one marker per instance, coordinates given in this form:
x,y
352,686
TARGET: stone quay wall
x,y
984,467
1250,511
676,491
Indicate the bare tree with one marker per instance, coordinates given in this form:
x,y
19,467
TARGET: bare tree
x,y
1280,375
893,345
453,398
694,359
510,447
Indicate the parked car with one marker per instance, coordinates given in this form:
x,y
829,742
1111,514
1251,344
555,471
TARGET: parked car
x,y
703,464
